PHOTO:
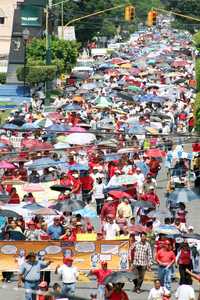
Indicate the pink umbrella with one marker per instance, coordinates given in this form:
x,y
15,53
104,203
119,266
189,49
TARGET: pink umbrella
x,y
76,129
6,165
33,187
36,145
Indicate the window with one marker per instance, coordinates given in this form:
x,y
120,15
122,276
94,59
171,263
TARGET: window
x,y
2,20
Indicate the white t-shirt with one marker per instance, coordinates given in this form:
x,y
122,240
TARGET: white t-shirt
x,y
68,274
157,294
110,230
185,292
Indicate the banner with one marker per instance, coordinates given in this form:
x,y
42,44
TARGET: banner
x,y
31,16
86,255
68,33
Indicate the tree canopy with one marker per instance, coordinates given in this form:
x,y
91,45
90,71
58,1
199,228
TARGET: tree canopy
x,y
107,23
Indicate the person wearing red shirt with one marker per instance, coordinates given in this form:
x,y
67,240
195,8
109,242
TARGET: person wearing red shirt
x,y
68,236
101,274
154,166
87,186
14,197
165,258
184,261
65,180
21,172
109,208
76,193
151,196
116,292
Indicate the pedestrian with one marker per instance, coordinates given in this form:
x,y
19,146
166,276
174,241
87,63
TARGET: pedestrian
x,y
142,261
184,261
110,229
158,292
116,292
185,292
165,258
69,275
29,274
56,229
101,274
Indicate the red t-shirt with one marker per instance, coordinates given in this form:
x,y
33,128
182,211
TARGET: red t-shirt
x,y
166,257
118,296
101,274
14,199
87,183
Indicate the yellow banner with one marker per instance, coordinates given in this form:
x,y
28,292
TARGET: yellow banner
x,y
86,254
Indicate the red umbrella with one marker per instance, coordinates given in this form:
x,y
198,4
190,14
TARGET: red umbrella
x,y
155,153
36,145
6,165
76,129
138,228
117,61
119,194
179,63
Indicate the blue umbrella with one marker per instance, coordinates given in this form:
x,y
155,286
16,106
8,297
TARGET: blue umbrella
x,y
137,129
167,229
79,167
29,126
86,213
112,156
33,206
58,128
10,126
183,195
72,107
44,163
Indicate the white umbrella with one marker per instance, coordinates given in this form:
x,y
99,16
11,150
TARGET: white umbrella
x,y
80,138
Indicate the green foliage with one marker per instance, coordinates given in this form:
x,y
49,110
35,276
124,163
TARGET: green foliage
x,y
185,7
105,24
63,53
2,78
196,40
35,75
197,112
197,70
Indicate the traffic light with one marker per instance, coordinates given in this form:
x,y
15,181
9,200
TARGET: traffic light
x,y
129,13
151,18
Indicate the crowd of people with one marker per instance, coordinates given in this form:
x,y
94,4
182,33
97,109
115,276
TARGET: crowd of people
x,y
102,149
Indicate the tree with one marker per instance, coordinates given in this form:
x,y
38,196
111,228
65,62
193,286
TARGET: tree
x,y
2,78
185,7
105,24
37,74
196,40
64,53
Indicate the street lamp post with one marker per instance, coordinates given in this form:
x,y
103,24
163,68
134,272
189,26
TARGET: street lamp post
x,y
25,36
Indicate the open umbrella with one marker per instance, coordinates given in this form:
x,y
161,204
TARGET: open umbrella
x,y
89,86
69,205
79,167
138,228
6,165
155,153
120,276
45,211
33,206
80,138
33,187
86,213
167,229
43,123
58,128
8,213
194,236
134,88
60,188
183,195
10,126
143,204
72,107
119,194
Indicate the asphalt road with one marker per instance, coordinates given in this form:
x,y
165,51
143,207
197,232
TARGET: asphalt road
x,y
9,291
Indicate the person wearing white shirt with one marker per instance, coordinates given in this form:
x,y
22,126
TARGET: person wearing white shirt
x,y
114,181
158,291
185,292
110,229
69,276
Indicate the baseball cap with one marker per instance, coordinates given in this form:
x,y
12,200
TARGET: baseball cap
x,y
190,227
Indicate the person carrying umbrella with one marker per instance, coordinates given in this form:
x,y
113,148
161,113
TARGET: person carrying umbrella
x,y
101,275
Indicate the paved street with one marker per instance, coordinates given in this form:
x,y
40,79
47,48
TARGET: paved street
x,y
10,292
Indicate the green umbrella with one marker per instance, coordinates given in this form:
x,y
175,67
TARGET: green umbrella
x,y
151,62
103,102
134,88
